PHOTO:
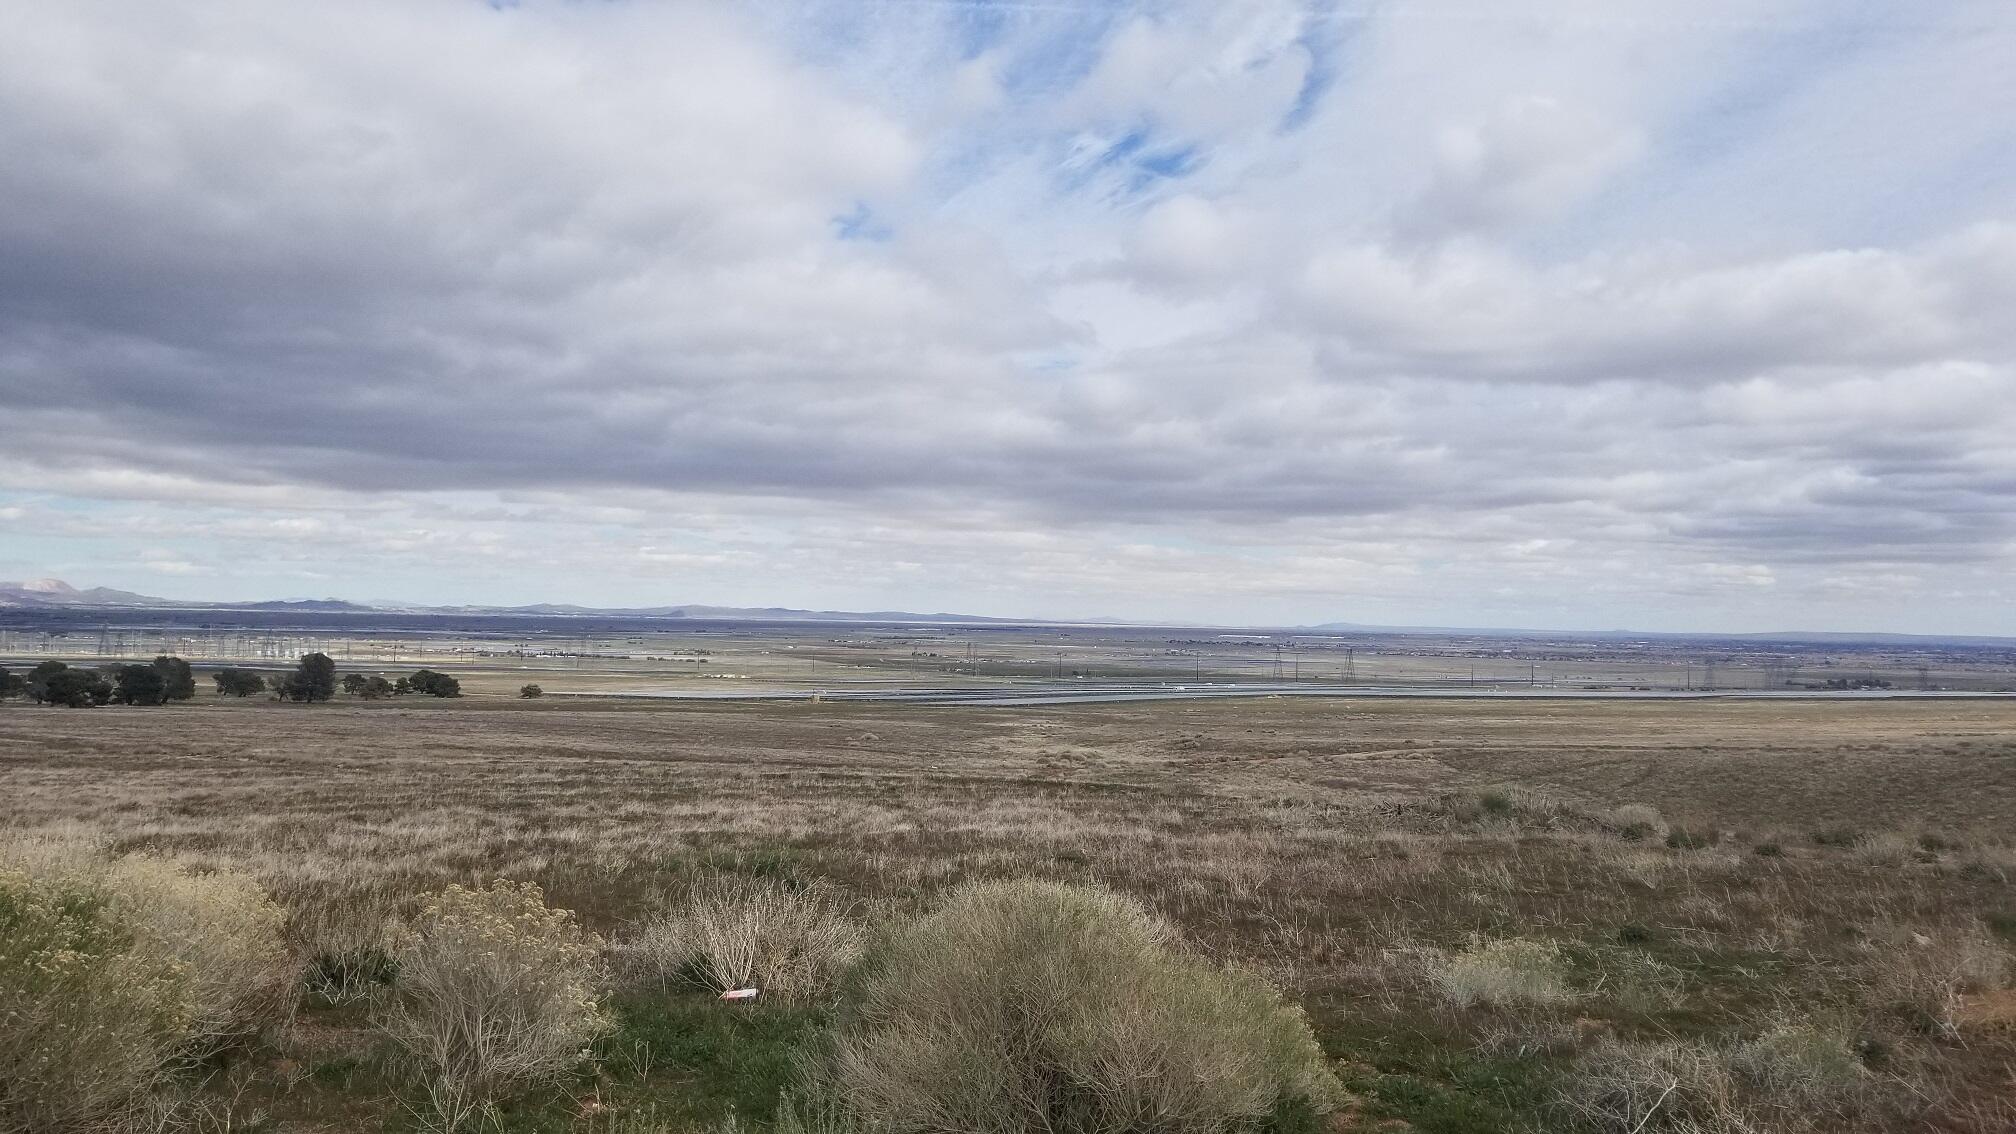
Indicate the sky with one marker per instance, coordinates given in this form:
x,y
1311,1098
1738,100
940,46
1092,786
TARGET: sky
x,y
1670,316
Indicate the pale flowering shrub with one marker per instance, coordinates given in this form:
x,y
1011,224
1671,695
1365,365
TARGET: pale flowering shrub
x,y
89,1013
224,931
496,992
1035,1006
112,969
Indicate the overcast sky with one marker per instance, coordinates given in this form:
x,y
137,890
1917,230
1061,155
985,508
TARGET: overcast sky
x,y
1687,315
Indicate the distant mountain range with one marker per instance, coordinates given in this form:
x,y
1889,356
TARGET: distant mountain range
x,y
55,593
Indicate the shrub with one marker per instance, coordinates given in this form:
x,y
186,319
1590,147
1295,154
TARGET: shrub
x,y
529,691
91,1014
227,935
1836,837
1799,1068
1637,823
788,942
1026,1006
1785,1079
1509,972
497,992
1628,1088
112,969
1691,838
1924,977
1934,842
1886,850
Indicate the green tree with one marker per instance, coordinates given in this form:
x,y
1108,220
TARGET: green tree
x,y
531,691
54,683
377,689
177,679
36,684
237,682
354,683
138,685
314,679
435,684
11,684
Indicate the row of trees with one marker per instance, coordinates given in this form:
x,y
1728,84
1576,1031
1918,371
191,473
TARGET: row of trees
x,y
58,683
168,679
314,679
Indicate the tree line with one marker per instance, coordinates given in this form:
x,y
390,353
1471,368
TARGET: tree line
x,y
168,678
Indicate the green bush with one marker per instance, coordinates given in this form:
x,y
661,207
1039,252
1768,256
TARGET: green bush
x,y
1035,1006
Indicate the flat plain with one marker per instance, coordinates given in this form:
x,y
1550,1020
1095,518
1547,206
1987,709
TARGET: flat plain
x,y
1704,873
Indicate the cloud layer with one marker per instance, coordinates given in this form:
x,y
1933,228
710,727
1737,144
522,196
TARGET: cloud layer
x,y
1580,316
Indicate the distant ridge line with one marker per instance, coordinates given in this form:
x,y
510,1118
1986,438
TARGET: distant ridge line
x,y
55,594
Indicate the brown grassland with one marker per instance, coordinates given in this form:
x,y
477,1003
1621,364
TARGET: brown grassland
x,y
1709,916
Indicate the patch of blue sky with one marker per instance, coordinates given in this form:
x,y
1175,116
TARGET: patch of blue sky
x,y
861,223
1150,170
977,28
1780,64
1053,55
1684,182
1126,167
1328,39
1976,184
1051,361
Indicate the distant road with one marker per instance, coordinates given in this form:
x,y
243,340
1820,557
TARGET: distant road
x,y
1072,693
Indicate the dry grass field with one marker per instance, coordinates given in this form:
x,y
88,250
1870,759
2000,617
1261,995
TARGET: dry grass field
x,y
1708,916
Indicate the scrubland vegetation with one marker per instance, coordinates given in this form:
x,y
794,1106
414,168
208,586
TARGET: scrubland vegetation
x,y
1255,916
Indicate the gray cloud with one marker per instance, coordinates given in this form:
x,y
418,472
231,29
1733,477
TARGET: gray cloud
x,y
1256,341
